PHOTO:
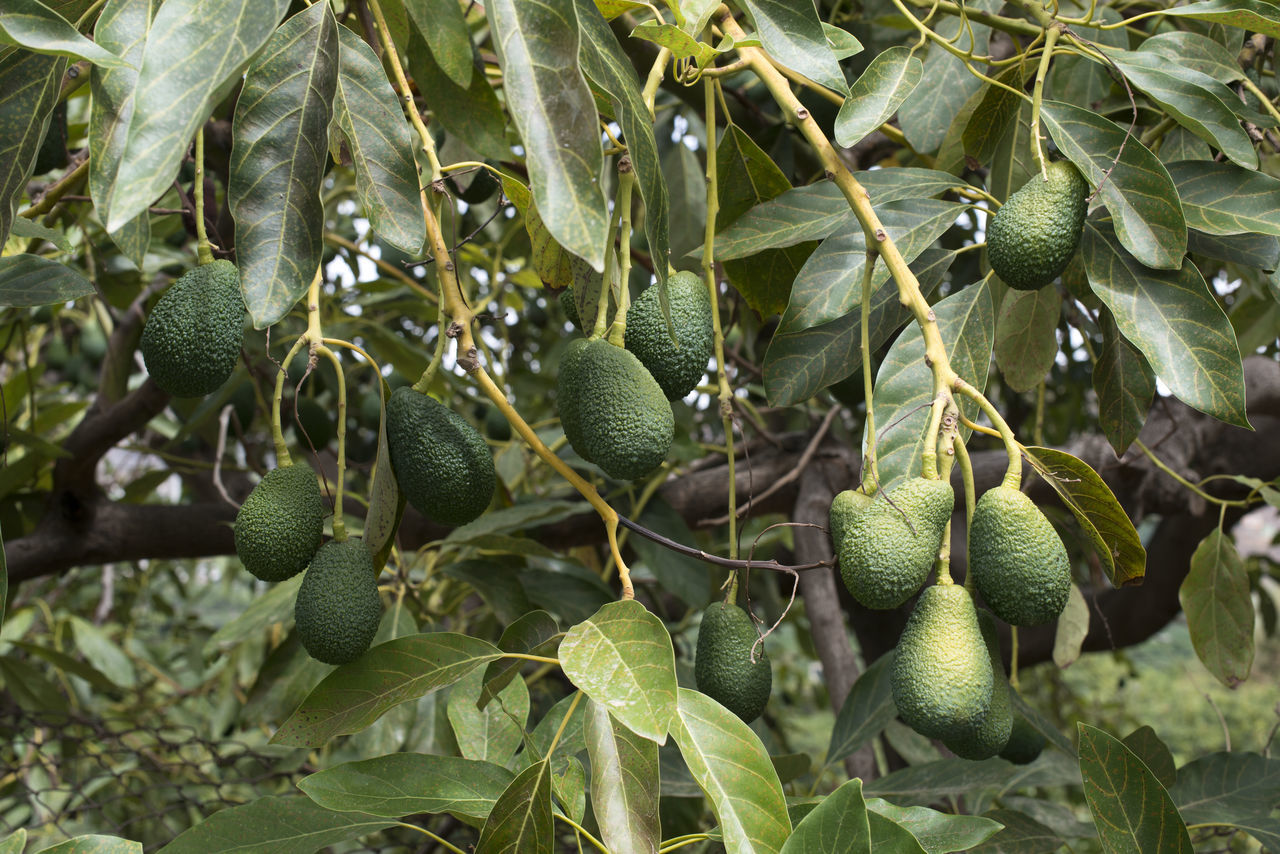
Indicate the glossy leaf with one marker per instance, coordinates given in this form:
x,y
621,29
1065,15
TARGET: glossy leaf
x,y
495,732
1137,190
520,821
93,844
1218,603
929,111
443,26
1195,51
866,711
195,53
937,832
367,113
792,34
29,88
1021,835
987,118
1174,320
675,39
402,784
33,280
888,835
472,113
538,45
1114,539
733,769
281,824
1251,15
1221,198
33,25
839,823
1072,627
622,658
1154,753
624,783
877,94
1132,811
535,633
1124,384
357,694
1026,343
386,501
1236,787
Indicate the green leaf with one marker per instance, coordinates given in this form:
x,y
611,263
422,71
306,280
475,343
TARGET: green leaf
x,y
928,112
282,824
1132,811
14,844
926,783
1227,787
733,769
1026,344
904,383
839,823
278,160
443,26
792,34
4,581
1137,191
1195,51
521,819
1173,318
887,835
1042,725
273,607
538,46
407,783
195,53
386,501
472,113
624,783
1218,603
1021,835
1154,753
683,576
622,658
33,25
1124,384
357,694
29,87
1114,539
877,94
69,665
32,280
1252,15
495,732
1072,628
1221,198
681,44
103,653
937,832
31,687
32,230
535,633
986,118
866,711
569,787
367,112
93,844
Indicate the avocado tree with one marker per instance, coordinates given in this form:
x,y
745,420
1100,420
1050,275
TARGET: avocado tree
x,y
625,426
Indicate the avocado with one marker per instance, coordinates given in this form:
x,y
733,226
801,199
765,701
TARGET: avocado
x,y
1025,742
279,525
991,734
889,548
244,403
678,365
613,411
440,461
722,664
1035,233
313,423
192,339
941,676
1018,562
338,607
569,305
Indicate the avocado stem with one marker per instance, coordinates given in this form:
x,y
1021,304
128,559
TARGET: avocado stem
x,y
1013,475
602,306
970,499
626,181
870,461
339,526
1051,33
277,431
203,251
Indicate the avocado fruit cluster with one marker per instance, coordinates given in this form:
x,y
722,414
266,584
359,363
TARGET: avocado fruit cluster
x,y
338,608
1019,563
279,526
613,411
192,339
1032,237
723,666
441,462
678,365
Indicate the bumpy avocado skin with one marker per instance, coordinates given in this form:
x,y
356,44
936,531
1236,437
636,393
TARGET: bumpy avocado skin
x,y
569,304
887,551
722,663
1025,742
338,609
441,462
279,526
192,339
1035,233
941,677
677,369
1017,559
613,411
992,733
845,507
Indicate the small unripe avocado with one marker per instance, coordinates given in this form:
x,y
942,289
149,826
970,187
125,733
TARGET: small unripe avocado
x,y
677,369
992,732
722,664
279,526
888,550
1018,562
1035,233
192,339
338,608
941,676
613,411
1025,742
440,461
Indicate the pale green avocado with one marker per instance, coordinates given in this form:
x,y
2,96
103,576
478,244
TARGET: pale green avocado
x,y
845,507
992,732
279,526
1025,742
677,366
338,608
192,339
723,668
1018,562
613,411
887,550
941,677
1035,233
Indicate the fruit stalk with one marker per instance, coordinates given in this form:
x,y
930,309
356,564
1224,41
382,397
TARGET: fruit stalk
x,y
203,251
626,182
339,527
1051,34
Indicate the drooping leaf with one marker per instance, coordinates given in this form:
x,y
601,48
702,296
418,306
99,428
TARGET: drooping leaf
x,y
923,784
792,34
937,832
386,501
472,113
1250,15
1132,811
733,769
1222,198
443,26
1072,628
675,39
929,111
538,45
1124,384
1154,753
622,658
1026,343
33,25
1021,835
1233,788
195,53
493,733
1218,603
877,94
624,783
986,118
280,824
29,87
866,711
521,819
535,633
33,280
406,783
839,823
